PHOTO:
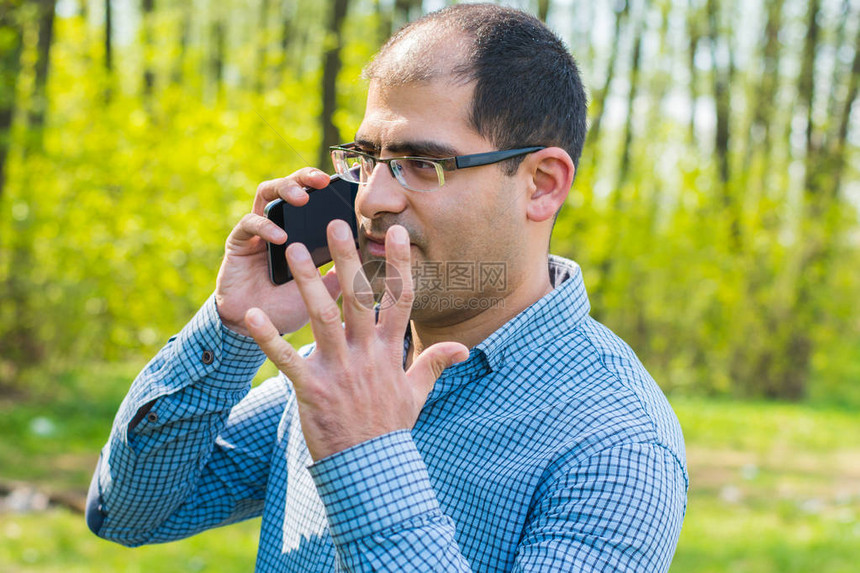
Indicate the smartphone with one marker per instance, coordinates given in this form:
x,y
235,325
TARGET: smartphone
x,y
307,224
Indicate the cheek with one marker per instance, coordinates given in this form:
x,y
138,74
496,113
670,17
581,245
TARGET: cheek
x,y
482,233
483,228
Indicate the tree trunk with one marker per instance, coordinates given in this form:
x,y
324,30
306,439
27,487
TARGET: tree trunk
x,y
18,340
722,81
806,85
765,99
403,12
262,47
39,103
147,11
217,56
791,382
108,50
693,36
184,34
844,117
833,108
752,367
331,68
384,21
10,63
598,102
606,267
287,39
543,10
108,36
624,168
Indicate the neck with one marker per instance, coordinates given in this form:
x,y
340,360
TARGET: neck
x,y
473,329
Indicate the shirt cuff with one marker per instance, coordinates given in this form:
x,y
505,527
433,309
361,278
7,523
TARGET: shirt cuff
x,y
206,343
376,485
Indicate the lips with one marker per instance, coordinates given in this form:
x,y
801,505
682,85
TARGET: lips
x,y
375,246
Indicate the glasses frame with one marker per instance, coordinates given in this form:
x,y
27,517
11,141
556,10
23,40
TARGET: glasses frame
x,y
441,164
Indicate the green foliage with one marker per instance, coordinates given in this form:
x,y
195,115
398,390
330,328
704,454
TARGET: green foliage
x,y
113,233
114,215
707,312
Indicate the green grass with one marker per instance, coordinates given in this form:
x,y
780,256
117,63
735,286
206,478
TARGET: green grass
x,y
775,488
60,541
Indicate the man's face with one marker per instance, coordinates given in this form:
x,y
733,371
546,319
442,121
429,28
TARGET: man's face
x,y
476,219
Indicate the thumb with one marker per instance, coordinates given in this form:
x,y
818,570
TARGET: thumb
x,y
429,366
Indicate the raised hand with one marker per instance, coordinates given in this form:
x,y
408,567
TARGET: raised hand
x,y
353,386
243,279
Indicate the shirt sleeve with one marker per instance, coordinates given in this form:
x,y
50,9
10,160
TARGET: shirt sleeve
x,y
382,512
190,446
620,510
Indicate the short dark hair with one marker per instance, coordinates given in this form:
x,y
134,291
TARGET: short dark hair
x,y
528,90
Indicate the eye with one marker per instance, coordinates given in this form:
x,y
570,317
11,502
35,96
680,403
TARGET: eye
x,y
419,165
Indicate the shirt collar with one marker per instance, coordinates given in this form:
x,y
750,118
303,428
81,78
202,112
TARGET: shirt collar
x,y
559,311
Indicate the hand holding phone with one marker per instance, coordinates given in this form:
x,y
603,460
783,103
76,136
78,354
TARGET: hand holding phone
x,y
243,278
307,224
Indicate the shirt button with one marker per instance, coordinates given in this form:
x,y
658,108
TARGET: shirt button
x,y
152,417
208,357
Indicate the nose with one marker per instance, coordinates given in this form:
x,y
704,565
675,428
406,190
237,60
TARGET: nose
x,y
381,194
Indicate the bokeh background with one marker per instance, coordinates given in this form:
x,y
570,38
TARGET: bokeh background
x,y
715,215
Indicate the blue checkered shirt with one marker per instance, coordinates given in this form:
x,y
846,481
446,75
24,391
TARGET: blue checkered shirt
x,y
549,449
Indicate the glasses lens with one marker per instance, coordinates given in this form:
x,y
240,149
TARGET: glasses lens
x,y
349,165
418,174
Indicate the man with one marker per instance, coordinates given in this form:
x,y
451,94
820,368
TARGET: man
x,y
519,435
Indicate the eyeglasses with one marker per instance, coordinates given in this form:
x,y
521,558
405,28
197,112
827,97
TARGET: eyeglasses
x,y
414,173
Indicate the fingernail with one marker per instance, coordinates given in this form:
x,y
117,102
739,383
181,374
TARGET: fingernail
x,y
399,236
340,232
299,253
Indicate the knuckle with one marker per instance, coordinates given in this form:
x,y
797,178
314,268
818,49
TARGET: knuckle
x,y
315,393
329,314
263,187
360,301
305,271
285,357
251,223
407,297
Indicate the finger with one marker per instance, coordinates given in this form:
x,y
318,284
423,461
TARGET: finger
x,y
358,301
427,368
279,351
291,188
253,225
322,309
396,309
332,283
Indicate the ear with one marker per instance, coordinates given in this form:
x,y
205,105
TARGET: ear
x,y
551,173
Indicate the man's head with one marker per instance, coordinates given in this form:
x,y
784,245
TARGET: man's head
x,y
527,85
472,79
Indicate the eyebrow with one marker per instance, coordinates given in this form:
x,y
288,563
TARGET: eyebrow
x,y
425,148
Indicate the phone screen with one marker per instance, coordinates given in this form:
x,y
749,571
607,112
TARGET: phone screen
x,y
307,224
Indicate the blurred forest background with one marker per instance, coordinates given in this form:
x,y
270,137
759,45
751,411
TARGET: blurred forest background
x,y
715,211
